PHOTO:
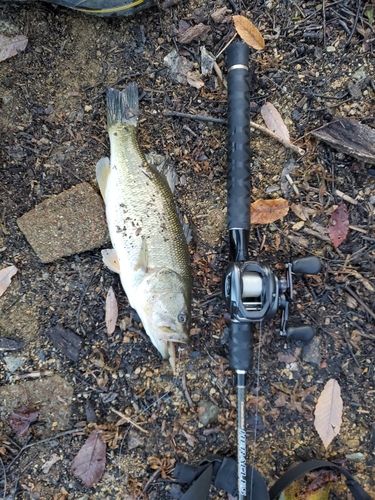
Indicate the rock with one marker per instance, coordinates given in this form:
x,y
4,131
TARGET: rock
x,y
355,457
13,362
134,440
178,66
69,223
208,412
311,352
52,396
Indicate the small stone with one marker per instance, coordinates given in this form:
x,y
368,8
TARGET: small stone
x,y
14,362
311,352
355,457
360,74
331,48
208,412
134,440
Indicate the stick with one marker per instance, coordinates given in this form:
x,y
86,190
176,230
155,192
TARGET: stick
x,y
265,130
283,141
127,419
360,301
187,395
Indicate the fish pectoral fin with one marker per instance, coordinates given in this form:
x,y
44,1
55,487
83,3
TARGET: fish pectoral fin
x,y
142,261
110,260
103,170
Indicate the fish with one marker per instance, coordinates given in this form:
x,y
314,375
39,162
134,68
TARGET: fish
x,y
150,251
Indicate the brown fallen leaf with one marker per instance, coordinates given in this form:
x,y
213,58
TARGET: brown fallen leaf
x,y
339,224
328,412
274,122
89,464
6,275
111,311
194,79
248,32
267,211
10,47
21,418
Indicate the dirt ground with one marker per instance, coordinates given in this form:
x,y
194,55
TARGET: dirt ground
x,y
318,63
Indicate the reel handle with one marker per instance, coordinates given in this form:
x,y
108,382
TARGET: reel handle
x,y
307,265
303,333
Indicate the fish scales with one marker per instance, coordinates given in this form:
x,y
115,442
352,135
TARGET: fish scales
x,y
150,249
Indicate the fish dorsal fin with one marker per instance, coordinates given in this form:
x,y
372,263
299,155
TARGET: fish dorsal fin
x,y
142,261
103,170
164,167
110,260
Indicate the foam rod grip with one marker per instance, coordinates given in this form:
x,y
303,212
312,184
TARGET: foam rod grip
x,y
241,346
238,183
303,333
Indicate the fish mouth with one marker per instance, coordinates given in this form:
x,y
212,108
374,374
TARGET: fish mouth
x,y
170,334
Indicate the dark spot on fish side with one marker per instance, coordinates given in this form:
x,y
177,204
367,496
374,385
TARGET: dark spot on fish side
x,y
115,133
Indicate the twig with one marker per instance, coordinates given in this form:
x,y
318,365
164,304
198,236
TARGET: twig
x,y
265,130
5,479
153,477
345,197
60,434
354,23
359,300
196,117
283,141
351,350
22,376
291,182
130,421
187,395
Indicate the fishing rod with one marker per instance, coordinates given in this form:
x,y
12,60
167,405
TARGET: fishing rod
x,y
252,292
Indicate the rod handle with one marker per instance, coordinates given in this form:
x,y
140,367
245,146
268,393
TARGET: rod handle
x,y
238,183
241,346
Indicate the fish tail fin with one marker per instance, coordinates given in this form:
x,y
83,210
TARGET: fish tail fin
x,y
122,107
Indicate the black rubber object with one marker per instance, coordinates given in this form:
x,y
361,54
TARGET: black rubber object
x,y
241,346
304,333
238,184
307,265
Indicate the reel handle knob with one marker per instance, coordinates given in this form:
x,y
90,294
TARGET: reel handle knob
x,y
304,333
307,265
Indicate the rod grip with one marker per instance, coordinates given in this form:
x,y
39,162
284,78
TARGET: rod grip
x,y
238,183
241,346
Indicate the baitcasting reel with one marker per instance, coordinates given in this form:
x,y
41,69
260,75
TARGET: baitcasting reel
x,y
254,293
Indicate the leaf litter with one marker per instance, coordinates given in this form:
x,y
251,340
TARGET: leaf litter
x,y
338,227
328,412
6,276
89,464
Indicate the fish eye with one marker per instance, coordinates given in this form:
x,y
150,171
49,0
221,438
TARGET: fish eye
x,y
182,318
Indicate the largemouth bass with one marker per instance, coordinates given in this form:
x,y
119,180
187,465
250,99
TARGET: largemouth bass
x,y
150,251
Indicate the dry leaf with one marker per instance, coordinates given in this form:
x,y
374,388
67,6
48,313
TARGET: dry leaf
x,y
10,47
267,211
21,419
89,463
111,311
248,32
328,412
47,465
339,225
194,79
6,275
274,122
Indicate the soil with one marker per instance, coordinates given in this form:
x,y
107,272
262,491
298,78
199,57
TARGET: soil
x,y
318,63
